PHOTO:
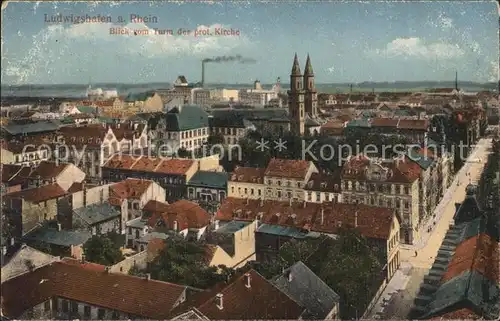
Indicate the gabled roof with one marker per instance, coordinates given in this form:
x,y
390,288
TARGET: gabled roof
x,y
131,188
187,214
308,290
22,261
288,168
261,301
148,299
47,170
186,117
39,194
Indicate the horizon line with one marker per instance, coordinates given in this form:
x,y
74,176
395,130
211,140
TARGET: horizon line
x,y
250,83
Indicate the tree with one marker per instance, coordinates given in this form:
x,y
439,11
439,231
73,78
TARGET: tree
x,y
184,262
182,152
102,250
215,139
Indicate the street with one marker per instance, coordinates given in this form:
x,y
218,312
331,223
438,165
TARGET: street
x,y
397,299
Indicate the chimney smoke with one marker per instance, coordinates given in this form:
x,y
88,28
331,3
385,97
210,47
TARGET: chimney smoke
x,y
236,58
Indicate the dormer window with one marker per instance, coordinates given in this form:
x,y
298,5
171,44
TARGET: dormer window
x,y
323,185
310,184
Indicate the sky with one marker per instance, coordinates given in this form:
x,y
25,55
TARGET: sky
x,y
347,41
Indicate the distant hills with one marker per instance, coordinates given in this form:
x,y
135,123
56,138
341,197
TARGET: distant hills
x,y
79,90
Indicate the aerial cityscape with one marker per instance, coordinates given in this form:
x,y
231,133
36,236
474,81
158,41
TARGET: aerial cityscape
x,y
250,160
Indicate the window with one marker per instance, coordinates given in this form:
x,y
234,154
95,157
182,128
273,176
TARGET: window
x,y
46,305
86,311
407,190
278,182
318,196
246,190
327,197
259,192
279,194
74,307
100,314
232,189
65,306
407,205
309,196
115,315
136,234
251,191
130,231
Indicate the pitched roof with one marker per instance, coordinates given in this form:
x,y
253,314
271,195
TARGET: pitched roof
x,y
324,182
39,194
85,265
187,214
308,290
209,179
129,294
372,222
417,124
131,188
48,170
261,301
97,213
155,206
30,128
188,117
384,122
479,253
23,260
398,170
173,166
62,238
247,175
288,168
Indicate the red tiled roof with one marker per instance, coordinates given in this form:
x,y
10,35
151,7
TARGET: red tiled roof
x,y
156,207
131,188
479,253
287,168
248,175
384,122
462,314
85,265
47,170
399,171
186,213
29,144
126,131
372,222
120,161
417,124
39,194
175,166
79,136
261,301
147,164
129,294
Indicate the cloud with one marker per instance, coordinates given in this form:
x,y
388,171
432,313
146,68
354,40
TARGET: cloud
x,y
417,48
79,45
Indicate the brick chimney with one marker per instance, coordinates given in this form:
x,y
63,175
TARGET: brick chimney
x,y
219,301
247,279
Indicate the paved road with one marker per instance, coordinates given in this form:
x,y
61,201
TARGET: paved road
x,y
398,297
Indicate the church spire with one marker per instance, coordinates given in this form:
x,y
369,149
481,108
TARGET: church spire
x,y
308,69
296,67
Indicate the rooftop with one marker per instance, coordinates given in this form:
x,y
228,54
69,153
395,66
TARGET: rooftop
x,y
97,213
39,194
61,238
187,214
148,299
286,168
232,227
209,179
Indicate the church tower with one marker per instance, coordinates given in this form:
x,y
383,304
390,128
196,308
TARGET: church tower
x,y
296,100
311,95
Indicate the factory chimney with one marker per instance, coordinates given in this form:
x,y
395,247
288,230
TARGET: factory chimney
x,y
202,74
